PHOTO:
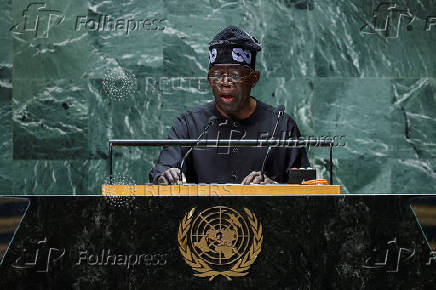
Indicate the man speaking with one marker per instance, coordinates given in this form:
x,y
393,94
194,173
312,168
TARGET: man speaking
x,y
234,114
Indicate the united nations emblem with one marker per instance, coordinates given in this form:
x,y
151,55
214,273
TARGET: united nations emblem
x,y
220,241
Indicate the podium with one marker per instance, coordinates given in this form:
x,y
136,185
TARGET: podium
x,y
285,239
220,190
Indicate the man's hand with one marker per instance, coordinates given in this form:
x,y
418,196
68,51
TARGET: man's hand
x,y
255,178
171,176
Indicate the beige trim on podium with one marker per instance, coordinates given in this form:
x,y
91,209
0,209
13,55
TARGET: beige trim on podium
x,y
219,190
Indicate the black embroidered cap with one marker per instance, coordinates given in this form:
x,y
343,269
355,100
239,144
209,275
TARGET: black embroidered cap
x,y
233,46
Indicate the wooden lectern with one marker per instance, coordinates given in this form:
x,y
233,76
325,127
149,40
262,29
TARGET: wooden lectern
x,y
220,190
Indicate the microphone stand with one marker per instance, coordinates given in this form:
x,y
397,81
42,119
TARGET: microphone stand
x,y
205,130
281,112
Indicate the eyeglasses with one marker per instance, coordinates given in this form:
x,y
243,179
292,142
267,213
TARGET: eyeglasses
x,y
234,76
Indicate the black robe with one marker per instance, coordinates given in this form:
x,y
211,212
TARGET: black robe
x,y
231,164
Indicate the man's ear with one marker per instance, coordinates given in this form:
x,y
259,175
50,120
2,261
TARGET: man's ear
x,y
255,78
209,84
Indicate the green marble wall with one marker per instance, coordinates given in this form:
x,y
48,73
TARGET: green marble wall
x,y
57,113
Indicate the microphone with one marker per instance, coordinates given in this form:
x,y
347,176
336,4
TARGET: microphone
x,y
280,114
210,123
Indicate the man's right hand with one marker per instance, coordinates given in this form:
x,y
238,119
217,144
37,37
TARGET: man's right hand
x,y
170,176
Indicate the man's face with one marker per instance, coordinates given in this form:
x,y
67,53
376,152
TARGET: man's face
x,y
231,85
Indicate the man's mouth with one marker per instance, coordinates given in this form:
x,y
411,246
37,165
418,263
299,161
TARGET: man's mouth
x,y
226,98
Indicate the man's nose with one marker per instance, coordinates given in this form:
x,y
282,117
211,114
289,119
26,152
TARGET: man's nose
x,y
225,81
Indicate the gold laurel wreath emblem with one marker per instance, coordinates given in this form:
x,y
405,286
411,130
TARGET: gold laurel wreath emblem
x,y
202,268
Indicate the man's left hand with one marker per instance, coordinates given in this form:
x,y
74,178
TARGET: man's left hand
x,y
256,178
